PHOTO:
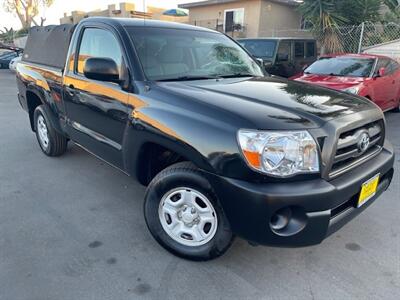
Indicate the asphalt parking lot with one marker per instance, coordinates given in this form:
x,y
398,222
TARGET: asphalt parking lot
x,y
73,228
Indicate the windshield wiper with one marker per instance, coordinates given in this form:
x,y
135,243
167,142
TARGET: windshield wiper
x,y
237,75
333,74
190,77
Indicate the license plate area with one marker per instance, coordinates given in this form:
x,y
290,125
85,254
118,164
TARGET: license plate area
x,y
368,190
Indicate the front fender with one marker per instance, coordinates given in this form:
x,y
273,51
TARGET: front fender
x,y
138,135
205,136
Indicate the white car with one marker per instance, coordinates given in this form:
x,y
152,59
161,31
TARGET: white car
x,y
14,62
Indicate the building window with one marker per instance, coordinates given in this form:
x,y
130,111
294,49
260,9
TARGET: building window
x,y
233,19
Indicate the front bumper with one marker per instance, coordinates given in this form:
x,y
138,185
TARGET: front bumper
x,y
322,207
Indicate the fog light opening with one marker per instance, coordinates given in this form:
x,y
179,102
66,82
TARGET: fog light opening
x,y
288,221
281,219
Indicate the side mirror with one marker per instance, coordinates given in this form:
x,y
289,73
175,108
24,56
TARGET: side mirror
x,y
260,61
381,72
102,69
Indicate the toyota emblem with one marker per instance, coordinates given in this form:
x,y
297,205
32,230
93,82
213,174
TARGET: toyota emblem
x,y
363,143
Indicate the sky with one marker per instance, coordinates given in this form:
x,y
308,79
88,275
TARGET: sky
x,y
56,11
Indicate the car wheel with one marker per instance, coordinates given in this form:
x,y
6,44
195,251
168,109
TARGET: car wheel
x,y
50,141
183,214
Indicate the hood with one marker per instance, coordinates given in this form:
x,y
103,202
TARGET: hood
x,y
332,82
265,103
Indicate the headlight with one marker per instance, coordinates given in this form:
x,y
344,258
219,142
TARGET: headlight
x,y
280,154
353,90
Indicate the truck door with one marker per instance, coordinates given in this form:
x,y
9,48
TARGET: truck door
x,y
98,112
311,53
299,57
284,61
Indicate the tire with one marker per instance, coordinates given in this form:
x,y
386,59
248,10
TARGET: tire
x,y
50,141
180,180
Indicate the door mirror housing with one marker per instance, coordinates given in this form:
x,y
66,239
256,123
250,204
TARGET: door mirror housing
x,y
260,61
102,69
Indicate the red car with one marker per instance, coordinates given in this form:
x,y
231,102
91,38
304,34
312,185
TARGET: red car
x,y
372,76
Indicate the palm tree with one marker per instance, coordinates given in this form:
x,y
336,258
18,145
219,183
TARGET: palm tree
x,y
321,13
325,19
392,4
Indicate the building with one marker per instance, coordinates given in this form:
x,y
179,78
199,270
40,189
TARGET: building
x,y
246,18
125,10
391,49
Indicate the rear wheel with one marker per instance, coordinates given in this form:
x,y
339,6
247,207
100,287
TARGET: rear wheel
x,y
50,141
183,214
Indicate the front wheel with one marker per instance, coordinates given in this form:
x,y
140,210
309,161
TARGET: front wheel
x,y
183,214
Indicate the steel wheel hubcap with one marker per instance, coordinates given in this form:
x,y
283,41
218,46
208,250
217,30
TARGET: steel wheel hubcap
x,y
188,217
42,132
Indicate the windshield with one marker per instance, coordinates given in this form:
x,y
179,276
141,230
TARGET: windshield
x,y
342,66
260,48
6,55
180,54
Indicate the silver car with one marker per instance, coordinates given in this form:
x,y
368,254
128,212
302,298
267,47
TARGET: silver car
x,y
13,63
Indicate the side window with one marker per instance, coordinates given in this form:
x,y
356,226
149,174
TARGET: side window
x,y
98,43
299,49
393,67
310,49
382,63
284,51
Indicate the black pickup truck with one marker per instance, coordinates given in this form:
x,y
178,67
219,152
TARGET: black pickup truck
x,y
224,149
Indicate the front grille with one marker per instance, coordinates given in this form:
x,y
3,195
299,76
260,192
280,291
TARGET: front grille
x,y
348,153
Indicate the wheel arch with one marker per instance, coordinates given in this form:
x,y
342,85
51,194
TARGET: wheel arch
x,y
34,98
145,159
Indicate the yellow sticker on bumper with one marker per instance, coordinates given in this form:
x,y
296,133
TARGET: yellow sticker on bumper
x,y
368,190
